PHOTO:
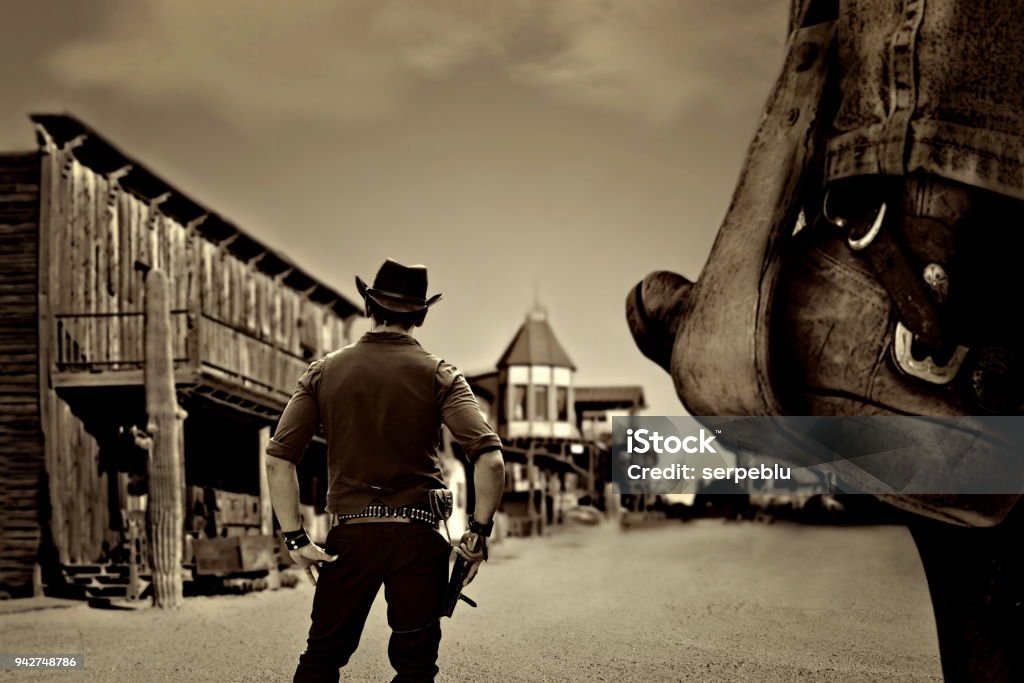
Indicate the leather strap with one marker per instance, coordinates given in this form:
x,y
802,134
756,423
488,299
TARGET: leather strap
x,y
901,276
374,520
878,213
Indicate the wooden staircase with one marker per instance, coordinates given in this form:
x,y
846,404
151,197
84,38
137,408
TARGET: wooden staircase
x,y
103,584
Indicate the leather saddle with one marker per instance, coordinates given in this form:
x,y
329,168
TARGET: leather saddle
x,y
789,317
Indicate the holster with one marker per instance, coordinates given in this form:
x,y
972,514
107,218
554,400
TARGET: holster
x,y
442,503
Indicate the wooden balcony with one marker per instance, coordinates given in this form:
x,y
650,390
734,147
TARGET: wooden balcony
x,y
211,357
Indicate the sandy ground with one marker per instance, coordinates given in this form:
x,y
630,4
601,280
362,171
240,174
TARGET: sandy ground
x,y
704,601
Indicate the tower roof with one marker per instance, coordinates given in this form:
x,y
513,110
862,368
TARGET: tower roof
x,y
535,344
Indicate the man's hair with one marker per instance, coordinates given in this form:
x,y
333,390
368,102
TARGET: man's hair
x,y
383,316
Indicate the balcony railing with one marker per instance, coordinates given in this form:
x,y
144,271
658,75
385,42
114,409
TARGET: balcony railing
x,y
252,362
112,342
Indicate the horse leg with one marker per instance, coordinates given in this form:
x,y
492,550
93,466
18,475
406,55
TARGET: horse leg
x,y
976,580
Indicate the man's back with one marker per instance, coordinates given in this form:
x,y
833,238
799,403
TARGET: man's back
x,y
379,406
381,402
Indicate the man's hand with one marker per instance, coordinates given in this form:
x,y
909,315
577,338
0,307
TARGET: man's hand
x,y
308,557
471,547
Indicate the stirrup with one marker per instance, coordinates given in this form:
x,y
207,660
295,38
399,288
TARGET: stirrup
x,y
925,369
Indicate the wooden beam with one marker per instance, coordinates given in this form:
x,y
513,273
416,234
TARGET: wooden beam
x,y
75,142
246,407
112,378
224,243
213,378
115,176
531,511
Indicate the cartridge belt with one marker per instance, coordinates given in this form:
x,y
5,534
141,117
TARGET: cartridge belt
x,y
406,513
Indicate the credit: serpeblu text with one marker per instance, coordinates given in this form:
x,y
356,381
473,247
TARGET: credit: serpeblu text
x,y
690,473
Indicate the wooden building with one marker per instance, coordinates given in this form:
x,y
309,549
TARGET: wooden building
x,y
532,399
596,405
81,223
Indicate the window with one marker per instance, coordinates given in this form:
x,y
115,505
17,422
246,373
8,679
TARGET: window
x,y
562,403
519,402
540,403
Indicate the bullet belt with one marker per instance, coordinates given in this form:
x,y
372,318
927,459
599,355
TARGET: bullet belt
x,y
383,513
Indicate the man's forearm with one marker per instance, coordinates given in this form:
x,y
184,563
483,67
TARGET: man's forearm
x,y
488,482
284,493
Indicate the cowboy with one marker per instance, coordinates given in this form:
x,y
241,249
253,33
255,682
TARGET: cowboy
x,y
381,402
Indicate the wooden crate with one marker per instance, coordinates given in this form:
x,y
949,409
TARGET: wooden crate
x,y
225,556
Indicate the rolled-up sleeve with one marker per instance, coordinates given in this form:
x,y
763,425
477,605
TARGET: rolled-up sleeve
x,y
461,413
300,419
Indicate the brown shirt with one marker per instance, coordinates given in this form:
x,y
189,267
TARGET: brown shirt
x,y
381,401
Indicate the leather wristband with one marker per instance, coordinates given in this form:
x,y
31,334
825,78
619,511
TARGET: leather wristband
x,y
483,530
293,540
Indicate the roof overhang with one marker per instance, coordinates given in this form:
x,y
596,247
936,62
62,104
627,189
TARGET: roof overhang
x,y
93,151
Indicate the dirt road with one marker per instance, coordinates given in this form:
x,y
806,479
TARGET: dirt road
x,y
704,601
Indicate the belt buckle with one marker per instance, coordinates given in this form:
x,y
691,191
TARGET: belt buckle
x,y
925,369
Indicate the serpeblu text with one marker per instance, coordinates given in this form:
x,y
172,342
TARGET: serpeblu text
x,y
689,473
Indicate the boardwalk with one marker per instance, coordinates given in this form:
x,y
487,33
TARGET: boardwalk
x,y
702,601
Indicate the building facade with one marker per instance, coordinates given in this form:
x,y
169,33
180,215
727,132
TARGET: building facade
x,y
555,456
81,224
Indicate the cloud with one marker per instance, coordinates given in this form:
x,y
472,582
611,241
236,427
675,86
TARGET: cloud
x,y
653,58
360,58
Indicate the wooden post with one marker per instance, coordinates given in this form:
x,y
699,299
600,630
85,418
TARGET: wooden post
x,y
530,506
166,513
542,504
134,581
542,482
591,475
266,511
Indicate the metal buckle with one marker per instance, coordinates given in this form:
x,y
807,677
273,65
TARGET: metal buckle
x,y
856,243
868,237
927,369
837,221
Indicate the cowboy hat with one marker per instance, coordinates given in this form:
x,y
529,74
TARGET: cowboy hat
x,y
398,288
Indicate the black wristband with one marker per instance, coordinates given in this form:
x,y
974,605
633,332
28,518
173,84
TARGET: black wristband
x,y
293,540
481,529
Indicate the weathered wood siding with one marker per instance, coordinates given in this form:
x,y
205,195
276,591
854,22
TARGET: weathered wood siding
x,y
98,233
247,300
104,221
21,445
80,521
103,237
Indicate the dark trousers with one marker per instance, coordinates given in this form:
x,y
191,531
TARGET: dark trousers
x,y
411,561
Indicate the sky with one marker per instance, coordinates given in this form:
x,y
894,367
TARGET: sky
x,y
524,150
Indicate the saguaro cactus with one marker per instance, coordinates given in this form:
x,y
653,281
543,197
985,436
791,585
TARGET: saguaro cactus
x,y
165,452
